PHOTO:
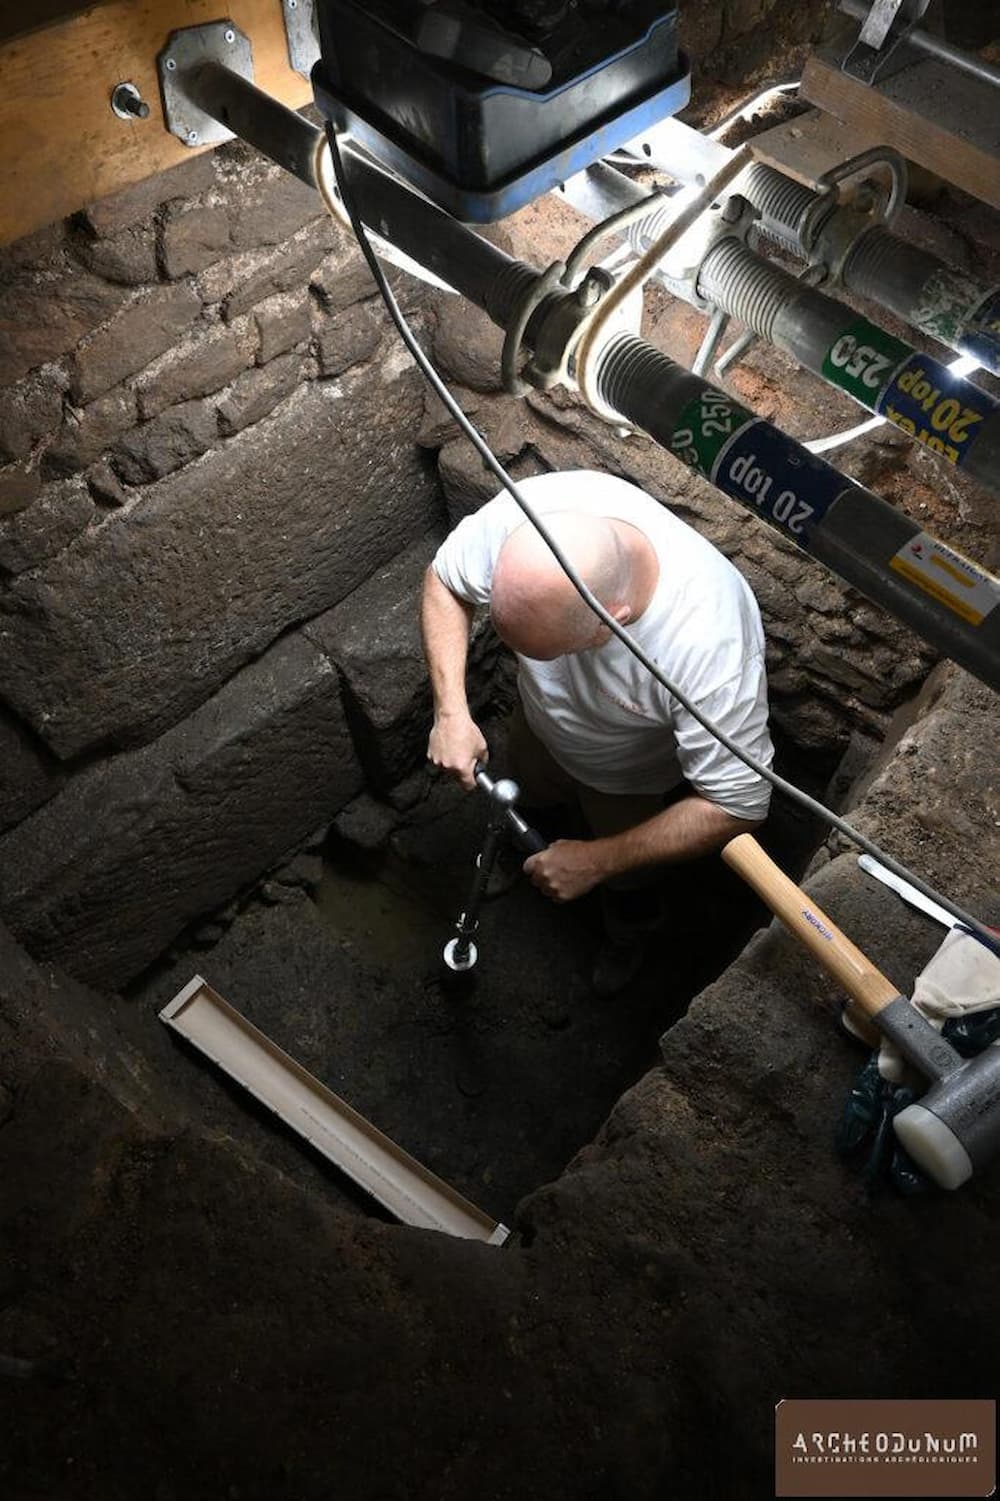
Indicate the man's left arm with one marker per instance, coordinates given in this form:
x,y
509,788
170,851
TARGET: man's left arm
x,y
727,798
570,868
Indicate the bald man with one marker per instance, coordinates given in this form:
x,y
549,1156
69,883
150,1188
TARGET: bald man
x,y
654,786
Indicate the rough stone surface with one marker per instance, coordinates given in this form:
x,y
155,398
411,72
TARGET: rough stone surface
x,y
41,532
20,485
197,367
467,345
342,279
121,210
109,871
214,562
191,239
46,312
169,441
347,339
88,431
29,774
128,257
28,412
105,486
282,322
373,637
242,280
143,328
269,209
257,392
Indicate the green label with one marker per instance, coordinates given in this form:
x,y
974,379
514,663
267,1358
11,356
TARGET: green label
x,y
862,360
705,427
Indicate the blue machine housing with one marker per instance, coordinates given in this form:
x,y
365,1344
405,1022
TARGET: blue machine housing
x,y
477,148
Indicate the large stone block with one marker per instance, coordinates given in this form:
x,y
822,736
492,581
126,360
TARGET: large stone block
x,y
257,392
20,485
29,774
28,411
128,257
191,239
45,313
373,636
172,439
240,281
282,322
87,431
203,363
106,874
214,562
142,329
121,210
347,338
44,528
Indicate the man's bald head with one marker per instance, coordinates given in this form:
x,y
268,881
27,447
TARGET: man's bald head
x,y
535,608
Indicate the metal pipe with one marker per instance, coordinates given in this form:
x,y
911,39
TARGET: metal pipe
x,y
851,530
475,268
944,412
960,310
855,533
934,46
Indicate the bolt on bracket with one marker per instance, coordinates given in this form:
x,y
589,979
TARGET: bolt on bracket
x,y
185,52
302,33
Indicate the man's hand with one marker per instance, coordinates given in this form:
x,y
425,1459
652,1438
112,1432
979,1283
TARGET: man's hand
x,y
567,869
456,743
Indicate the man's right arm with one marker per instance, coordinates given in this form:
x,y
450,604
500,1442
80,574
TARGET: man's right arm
x,y
456,742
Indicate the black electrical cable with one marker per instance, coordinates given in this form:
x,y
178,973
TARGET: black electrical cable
x,y
811,804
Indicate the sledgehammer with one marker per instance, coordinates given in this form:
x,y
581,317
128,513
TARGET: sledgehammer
x,y
955,1128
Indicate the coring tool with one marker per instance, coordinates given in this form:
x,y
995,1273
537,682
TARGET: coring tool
x,y
955,1128
461,953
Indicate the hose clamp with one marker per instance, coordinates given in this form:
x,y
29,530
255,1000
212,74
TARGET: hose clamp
x,y
829,230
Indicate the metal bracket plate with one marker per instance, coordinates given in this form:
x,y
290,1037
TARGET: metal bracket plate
x,y
303,35
186,50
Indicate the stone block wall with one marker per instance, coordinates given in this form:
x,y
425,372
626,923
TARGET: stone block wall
x,y
207,440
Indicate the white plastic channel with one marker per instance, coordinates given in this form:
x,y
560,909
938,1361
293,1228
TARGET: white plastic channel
x,y
411,1192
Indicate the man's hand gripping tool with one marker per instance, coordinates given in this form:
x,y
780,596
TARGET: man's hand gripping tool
x,y
461,953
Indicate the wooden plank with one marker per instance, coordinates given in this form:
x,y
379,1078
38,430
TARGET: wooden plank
x,y
946,120
808,146
63,146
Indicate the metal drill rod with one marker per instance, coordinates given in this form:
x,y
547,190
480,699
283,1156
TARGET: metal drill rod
x,y
843,525
460,953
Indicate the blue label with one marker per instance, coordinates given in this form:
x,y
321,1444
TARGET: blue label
x,y
938,409
764,468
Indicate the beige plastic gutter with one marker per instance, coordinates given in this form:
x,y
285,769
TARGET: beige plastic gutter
x,y
402,1185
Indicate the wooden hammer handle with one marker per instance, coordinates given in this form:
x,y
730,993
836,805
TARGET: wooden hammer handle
x,y
836,953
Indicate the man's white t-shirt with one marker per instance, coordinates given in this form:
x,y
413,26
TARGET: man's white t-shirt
x,y
599,712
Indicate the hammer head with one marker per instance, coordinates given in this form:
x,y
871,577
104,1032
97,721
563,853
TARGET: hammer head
x,y
954,1129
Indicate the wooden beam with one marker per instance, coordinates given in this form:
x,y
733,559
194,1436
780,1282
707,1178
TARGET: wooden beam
x,y
808,146
63,147
944,119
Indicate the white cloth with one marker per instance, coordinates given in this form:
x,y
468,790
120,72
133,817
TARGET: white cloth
x,y
599,712
961,978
